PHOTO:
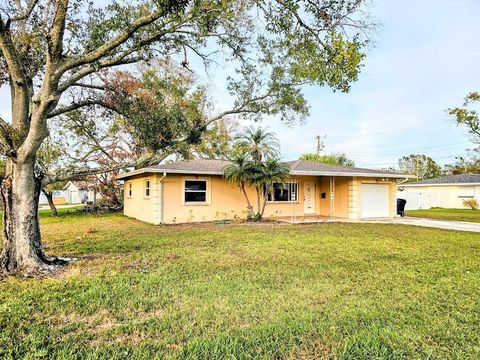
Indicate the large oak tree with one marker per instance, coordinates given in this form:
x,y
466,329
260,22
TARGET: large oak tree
x,y
51,50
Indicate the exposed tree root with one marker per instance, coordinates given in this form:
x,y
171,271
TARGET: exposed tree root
x,y
50,267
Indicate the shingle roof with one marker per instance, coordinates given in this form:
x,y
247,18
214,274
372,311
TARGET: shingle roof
x,y
297,167
201,165
450,179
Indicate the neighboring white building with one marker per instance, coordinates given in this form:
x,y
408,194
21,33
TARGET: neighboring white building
x,y
59,194
445,192
78,192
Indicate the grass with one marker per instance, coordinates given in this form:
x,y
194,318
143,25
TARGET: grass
x,y
446,214
347,291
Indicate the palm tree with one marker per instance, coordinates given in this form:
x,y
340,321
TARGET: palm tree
x,y
240,171
256,164
258,144
274,171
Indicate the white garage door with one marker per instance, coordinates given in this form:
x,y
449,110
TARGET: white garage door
x,y
374,200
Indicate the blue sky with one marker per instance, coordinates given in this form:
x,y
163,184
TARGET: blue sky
x,y
425,59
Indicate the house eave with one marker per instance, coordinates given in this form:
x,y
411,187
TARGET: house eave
x,y
168,171
347,173
442,184
150,170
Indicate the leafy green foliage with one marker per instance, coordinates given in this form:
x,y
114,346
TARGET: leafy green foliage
x,y
332,159
467,115
256,164
422,166
160,107
272,49
258,144
217,142
465,164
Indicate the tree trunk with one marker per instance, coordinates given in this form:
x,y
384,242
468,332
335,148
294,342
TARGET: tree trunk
x,y
265,198
23,252
249,205
53,208
259,206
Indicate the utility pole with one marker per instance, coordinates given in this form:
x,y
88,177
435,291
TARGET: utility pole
x,y
320,144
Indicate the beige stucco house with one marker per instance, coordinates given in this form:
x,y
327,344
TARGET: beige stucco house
x,y
192,191
444,191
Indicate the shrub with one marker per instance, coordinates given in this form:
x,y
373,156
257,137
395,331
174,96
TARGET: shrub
x,y
471,203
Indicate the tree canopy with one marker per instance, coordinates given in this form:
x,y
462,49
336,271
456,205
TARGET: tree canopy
x,y
467,115
422,166
54,56
332,159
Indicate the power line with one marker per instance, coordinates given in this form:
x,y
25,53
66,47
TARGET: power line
x,y
388,132
390,164
409,149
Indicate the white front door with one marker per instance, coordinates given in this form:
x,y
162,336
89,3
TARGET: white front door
x,y
375,200
309,197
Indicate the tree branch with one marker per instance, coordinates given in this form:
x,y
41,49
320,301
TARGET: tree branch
x,y
55,37
77,105
84,172
90,86
16,71
80,74
114,43
7,145
243,108
27,12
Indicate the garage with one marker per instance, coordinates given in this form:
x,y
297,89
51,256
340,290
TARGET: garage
x,y
374,201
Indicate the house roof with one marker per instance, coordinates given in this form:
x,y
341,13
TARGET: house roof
x,y
297,167
461,179
80,185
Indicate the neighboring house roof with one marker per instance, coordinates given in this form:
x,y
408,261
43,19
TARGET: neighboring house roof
x,y
80,185
297,167
461,179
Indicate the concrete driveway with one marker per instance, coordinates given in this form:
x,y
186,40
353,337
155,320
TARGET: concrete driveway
x,y
439,224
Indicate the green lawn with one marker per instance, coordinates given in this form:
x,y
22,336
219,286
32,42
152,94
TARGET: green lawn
x,y
447,214
348,291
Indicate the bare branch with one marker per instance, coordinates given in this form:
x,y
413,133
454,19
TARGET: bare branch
x,y
26,12
241,109
84,172
80,74
90,86
55,37
302,23
77,105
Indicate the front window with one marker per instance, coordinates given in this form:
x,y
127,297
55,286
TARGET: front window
x,y
130,189
283,192
147,188
195,191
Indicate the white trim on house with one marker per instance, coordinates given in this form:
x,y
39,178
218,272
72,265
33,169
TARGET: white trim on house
x,y
346,173
207,191
157,171
444,184
293,172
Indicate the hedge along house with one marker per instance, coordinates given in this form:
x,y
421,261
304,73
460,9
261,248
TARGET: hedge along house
x,y
192,191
